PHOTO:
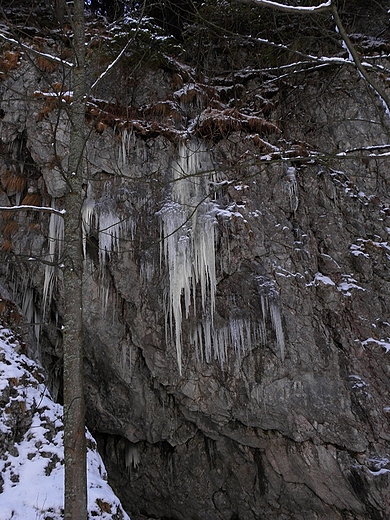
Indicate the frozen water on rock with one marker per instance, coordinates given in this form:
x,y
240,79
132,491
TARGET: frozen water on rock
x,y
188,228
102,218
188,231
55,243
292,188
271,307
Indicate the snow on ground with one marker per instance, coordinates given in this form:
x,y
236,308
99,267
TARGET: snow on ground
x,y
31,449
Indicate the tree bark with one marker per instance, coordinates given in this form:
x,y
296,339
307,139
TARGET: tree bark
x,y
75,492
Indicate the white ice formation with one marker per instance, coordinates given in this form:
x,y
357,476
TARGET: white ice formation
x,y
55,243
188,245
188,228
102,217
292,188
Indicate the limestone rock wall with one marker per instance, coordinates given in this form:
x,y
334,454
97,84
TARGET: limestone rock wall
x,y
294,422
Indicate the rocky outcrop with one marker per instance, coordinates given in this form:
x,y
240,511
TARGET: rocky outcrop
x,y
249,380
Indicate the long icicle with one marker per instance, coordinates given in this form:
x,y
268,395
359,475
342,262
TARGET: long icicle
x,y
55,243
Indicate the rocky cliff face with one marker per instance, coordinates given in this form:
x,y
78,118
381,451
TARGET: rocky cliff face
x,y
236,287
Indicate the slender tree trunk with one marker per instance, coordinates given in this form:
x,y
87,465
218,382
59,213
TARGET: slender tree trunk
x,y
74,404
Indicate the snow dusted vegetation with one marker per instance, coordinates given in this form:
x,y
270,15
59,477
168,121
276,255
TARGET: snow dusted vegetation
x,y
31,449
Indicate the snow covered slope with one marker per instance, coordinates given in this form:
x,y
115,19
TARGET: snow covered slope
x,y
31,448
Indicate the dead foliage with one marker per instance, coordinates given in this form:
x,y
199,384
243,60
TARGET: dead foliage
x,y
111,114
214,124
58,87
193,95
162,110
9,228
121,117
9,61
66,53
105,507
198,95
13,182
32,199
50,105
52,100
6,215
9,315
46,65
6,246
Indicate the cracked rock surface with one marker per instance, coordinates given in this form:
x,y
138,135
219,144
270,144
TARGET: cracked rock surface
x,y
286,416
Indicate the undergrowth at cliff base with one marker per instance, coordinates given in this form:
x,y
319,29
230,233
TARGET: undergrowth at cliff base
x,y
31,446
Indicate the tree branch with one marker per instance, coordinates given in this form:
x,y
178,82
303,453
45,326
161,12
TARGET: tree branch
x,y
327,6
44,209
355,57
30,50
118,58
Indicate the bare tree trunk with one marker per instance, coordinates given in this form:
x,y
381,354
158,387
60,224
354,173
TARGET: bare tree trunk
x,y
74,404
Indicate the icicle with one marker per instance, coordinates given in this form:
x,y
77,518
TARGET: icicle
x,y
214,342
55,242
28,305
292,188
132,456
101,217
128,141
87,213
110,230
188,250
32,316
124,359
277,325
108,225
271,308
147,270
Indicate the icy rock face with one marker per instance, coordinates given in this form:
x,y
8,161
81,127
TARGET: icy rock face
x,y
275,280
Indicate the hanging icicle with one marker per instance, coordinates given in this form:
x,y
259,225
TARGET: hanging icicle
x,y
55,244
188,228
213,342
102,217
103,226
292,188
271,307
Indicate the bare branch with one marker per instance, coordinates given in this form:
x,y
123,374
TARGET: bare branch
x,y
327,6
111,65
44,209
355,57
118,58
33,51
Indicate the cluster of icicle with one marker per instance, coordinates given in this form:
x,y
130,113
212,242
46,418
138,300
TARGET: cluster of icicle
x,y
239,334
188,228
188,245
292,188
102,218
